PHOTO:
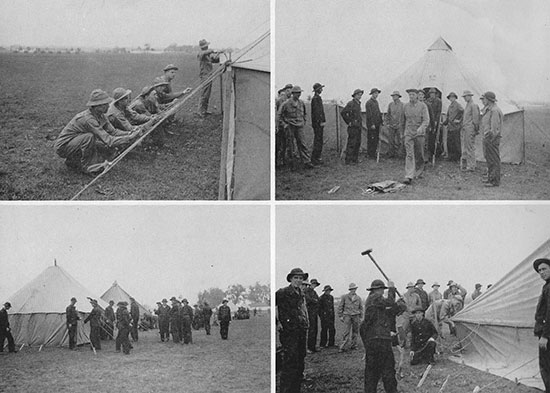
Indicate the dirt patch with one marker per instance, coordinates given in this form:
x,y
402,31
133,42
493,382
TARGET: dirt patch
x,y
210,364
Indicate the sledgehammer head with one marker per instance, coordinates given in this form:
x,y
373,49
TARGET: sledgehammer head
x,y
366,252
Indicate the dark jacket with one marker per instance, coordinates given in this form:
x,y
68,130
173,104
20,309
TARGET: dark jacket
x,y
4,322
207,313
94,317
542,314
134,311
163,312
317,111
291,308
312,300
224,313
109,313
373,114
122,318
380,316
174,314
72,315
186,312
434,109
326,307
352,114
421,332
424,298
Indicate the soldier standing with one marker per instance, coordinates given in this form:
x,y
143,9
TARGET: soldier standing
x,y
454,125
491,128
470,128
283,142
318,123
206,316
542,322
124,321
326,313
163,312
417,120
224,316
434,108
72,321
424,298
110,320
434,295
350,311
374,121
186,313
134,312
174,316
395,122
95,325
206,57
5,330
352,116
312,303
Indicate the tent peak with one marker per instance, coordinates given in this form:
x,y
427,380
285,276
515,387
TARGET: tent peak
x,y
55,262
440,44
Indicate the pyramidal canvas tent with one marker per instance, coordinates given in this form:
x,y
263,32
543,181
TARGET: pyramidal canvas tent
x,y
37,316
496,329
117,294
245,159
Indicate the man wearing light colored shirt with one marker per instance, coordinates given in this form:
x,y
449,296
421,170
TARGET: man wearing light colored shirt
x,y
417,120
491,128
350,311
394,120
470,128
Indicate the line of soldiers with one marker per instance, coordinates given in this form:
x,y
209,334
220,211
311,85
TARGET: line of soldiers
x,y
110,125
416,129
413,321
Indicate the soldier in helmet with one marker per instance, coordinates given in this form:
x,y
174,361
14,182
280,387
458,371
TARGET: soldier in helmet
x,y
318,123
186,313
206,58
120,115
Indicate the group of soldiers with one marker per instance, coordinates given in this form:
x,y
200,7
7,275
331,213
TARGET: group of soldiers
x,y
417,129
111,124
413,321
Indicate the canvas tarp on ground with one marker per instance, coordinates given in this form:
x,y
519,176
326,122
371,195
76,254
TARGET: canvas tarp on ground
x,y
245,160
117,294
497,327
37,316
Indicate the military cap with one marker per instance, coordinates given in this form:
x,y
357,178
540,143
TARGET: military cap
x,y
98,97
375,90
450,283
203,43
537,263
327,288
432,90
280,90
377,284
7,304
173,299
467,93
490,96
420,281
224,301
317,86
412,91
409,285
73,299
159,82
159,303
478,285
296,272
418,309
357,91
170,67
435,284
305,282
184,300
288,86
395,93
146,90
122,303
132,299
296,89
93,301
452,93
164,300
120,92
314,281
111,302
351,286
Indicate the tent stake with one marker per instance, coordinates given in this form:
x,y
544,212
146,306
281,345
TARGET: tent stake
x,y
424,375
40,349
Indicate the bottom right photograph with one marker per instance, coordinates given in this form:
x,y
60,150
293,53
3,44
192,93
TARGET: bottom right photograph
x,y
412,298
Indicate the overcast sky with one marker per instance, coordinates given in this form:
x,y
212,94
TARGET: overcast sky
x,y
362,43
152,251
132,23
467,244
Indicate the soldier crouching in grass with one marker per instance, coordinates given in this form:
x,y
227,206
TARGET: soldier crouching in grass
x,y
89,138
122,117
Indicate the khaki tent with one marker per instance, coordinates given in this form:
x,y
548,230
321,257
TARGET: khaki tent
x,y
245,160
496,329
38,316
117,294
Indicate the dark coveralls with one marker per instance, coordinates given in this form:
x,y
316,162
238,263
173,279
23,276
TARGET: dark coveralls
x,y
224,316
206,315
352,116
312,303
174,316
454,125
72,320
542,329
424,350
95,327
434,109
317,117
5,331
375,331
163,313
292,312
374,121
206,58
186,314
134,312
123,325
326,313
109,322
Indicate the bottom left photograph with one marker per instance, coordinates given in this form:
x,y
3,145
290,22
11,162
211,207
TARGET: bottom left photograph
x,y
136,298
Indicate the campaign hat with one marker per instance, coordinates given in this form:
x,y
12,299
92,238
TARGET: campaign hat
x,y
170,67
296,272
377,284
539,261
98,97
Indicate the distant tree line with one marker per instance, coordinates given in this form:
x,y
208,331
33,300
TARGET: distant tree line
x,y
235,293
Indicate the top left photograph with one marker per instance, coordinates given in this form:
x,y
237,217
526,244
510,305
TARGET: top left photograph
x,y
135,100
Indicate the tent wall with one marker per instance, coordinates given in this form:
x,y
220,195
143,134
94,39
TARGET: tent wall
x,y
117,294
512,143
245,163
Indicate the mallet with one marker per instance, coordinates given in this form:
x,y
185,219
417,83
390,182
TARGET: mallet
x,y
368,252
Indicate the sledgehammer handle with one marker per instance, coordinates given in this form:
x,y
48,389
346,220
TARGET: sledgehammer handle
x,y
367,252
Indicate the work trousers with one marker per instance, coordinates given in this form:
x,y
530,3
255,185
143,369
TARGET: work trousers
x,y
224,329
317,143
164,329
351,329
373,136
122,340
281,146
379,364
426,355
313,329
353,145
80,152
396,147
294,352
327,332
492,156
95,336
453,143
432,141
134,330
175,330
187,334
414,156
303,152
72,335
6,334
468,140
207,325
544,365
205,98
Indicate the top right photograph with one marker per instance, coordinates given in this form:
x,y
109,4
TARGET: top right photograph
x,y
412,100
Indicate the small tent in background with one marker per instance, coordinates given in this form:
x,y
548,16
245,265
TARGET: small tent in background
x,y
245,159
37,316
117,294
496,329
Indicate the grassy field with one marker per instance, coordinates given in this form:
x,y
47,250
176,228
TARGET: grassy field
x,y
210,364
39,94
444,181
331,371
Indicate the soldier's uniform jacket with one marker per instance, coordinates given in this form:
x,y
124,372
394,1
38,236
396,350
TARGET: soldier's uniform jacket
x,y
124,119
94,317
491,120
4,322
317,111
146,106
163,312
224,313
134,311
292,310
206,58
85,122
542,314
434,109
71,314
395,115
312,300
417,118
109,313
424,299
207,312
163,95
471,116
326,306
352,113
174,314
186,311
454,116
123,318
293,112
380,316
372,112
422,331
